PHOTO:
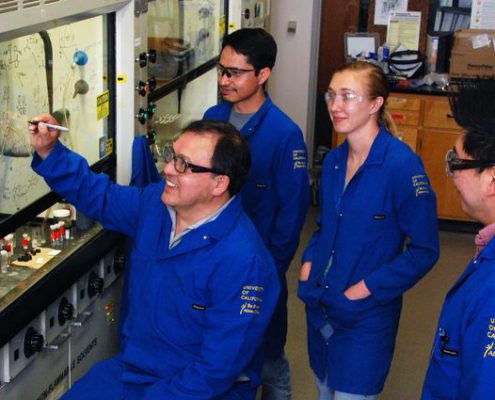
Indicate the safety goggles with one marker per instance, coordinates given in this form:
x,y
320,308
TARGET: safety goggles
x,y
454,163
181,164
346,97
234,73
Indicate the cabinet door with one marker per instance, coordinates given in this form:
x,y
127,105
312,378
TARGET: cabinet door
x,y
403,102
437,114
434,145
405,117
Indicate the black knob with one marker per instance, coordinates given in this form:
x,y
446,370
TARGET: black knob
x,y
65,311
142,116
247,13
142,88
151,110
152,56
33,342
119,263
152,84
95,284
142,59
151,136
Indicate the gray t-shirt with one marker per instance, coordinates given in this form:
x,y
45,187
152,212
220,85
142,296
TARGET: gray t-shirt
x,y
238,119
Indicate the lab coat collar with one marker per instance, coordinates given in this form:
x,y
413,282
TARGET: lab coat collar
x,y
377,152
379,147
211,231
488,253
251,126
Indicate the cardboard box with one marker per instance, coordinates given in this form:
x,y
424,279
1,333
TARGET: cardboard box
x,y
467,60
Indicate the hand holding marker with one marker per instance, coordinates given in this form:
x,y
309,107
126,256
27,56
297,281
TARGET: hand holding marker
x,y
50,126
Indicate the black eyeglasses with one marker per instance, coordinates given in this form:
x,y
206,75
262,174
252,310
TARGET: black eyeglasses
x,y
454,163
232,72
181,165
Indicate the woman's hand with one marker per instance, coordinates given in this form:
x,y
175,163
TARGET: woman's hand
x,y
305,270
42,138
358,291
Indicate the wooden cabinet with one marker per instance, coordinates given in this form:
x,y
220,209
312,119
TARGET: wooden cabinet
x,y
405,110
426,124
439,134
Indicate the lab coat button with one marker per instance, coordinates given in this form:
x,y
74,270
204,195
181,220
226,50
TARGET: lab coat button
x,y
341,214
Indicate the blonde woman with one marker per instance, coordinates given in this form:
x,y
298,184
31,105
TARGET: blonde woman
x,y
377,237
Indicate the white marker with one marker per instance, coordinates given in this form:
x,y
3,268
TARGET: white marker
x,y
51,126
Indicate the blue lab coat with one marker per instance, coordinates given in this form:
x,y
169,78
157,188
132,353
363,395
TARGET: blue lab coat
x,y
363,228
276,195
462,364
197,312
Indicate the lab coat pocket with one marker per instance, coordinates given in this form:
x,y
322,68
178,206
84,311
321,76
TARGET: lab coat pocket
x,y
446,357
181,318
351,311
309,293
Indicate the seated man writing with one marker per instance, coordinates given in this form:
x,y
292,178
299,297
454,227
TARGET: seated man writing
x,y
202,286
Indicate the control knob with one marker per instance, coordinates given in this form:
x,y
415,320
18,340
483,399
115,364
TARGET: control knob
x,y
142,115
33,342
95,284
65,311
152,84
142,88
152,55
119,262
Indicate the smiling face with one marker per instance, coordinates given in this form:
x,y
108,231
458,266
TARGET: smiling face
x,y
350,107
194,195
245,90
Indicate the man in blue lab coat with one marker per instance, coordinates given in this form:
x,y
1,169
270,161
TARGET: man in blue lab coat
x,y
202,286
276,194
462,364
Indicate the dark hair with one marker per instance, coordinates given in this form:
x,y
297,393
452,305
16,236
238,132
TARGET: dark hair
x,y
473,105
377,85
256,44
231,154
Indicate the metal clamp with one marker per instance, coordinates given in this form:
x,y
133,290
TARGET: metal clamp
x,y
58,341
82,318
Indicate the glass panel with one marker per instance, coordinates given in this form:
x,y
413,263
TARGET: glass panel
x,y
62,71
185,34
177,109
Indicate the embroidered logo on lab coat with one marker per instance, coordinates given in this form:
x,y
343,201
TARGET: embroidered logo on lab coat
x,y
251,297
490,348
299,158
420,184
